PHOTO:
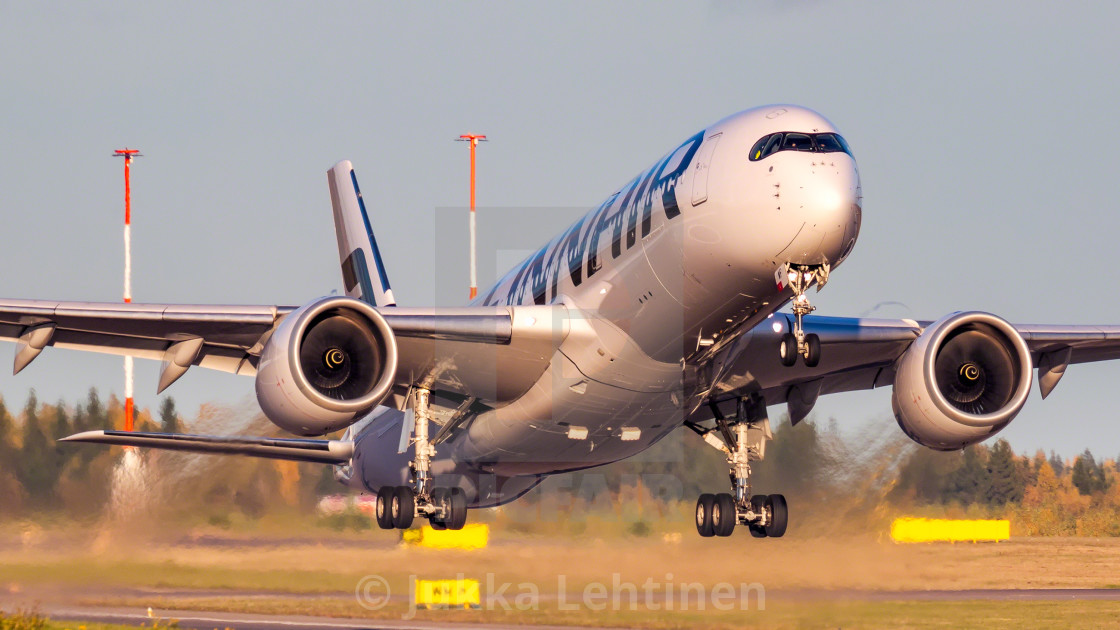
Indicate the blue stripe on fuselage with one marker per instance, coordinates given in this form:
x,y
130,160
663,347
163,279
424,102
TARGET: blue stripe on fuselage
x,y
538,276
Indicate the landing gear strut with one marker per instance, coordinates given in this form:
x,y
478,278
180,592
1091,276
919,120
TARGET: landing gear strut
x,y
742,439
798,278
398,506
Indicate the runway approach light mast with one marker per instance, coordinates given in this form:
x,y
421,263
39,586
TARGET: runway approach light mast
x,y
474,139
128,155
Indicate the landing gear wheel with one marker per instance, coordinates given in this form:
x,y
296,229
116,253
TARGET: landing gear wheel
x,y
787,351
779,515
704,515
724,516
441,499
758,506
457,502
383,508
813,350
403,507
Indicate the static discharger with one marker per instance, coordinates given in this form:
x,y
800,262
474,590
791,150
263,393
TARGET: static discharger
x,y
474,139
128,155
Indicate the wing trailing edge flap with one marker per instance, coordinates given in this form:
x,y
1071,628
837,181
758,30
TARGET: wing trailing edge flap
x,y
300,450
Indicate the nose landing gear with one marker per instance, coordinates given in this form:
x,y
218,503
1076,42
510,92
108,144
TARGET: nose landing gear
x,y
742,439
798,278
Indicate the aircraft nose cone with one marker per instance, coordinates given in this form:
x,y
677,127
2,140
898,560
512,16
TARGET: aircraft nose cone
x,y
827,199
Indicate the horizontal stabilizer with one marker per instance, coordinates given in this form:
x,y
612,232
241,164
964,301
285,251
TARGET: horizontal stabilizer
x,y
300,450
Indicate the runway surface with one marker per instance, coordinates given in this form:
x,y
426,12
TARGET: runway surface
x,y
205,620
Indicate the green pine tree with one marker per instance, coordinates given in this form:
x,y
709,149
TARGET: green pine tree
x,y
35,467
1057,464
1087,475
1006,483
90,418
7,445
970,482
169,416
62,426
96,415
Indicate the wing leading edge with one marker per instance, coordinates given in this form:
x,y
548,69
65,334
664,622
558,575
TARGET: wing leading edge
x,y
860,354
492,353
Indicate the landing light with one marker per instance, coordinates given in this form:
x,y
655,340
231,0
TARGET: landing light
x,y
777,326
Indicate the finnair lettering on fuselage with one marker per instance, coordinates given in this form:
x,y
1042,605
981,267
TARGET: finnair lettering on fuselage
x,y
536,280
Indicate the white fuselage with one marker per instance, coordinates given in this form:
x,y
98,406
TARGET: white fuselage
x,y
670,267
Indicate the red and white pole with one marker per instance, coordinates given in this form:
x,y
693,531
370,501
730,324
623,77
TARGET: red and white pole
x,y
473,139
129,406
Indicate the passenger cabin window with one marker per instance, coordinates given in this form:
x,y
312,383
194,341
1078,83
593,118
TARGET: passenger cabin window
x,y
793,141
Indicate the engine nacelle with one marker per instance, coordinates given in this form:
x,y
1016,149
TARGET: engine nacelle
x,y
961,381
327,364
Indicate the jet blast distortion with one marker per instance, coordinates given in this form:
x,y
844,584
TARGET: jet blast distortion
x,y
128,155
474,140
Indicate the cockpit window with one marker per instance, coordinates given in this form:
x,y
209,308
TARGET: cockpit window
x,y
797,142
828,143
792,141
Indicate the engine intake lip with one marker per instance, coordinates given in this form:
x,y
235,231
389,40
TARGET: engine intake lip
x,y
378,327
1006,335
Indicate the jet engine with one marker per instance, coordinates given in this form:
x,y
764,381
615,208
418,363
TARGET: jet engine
x,y
326,365
961,381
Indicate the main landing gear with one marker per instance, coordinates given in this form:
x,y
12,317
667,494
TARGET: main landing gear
x,y
398,506
795,343
742,438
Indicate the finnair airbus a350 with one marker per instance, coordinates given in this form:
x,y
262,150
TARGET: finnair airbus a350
x,y
656,310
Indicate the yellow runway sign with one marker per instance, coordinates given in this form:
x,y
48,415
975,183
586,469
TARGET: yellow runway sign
x,y
912,530
447,594
472,536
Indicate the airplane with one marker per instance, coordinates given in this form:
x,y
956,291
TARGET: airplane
x,y
659,309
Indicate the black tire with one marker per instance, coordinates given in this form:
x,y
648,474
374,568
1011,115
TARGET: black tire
x,y
779,515
704,515
787,350
758,504
458,503
383,508
441,498
724,515
404,507
814,344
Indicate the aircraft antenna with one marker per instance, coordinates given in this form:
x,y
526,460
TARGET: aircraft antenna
x,y
128,155
474,139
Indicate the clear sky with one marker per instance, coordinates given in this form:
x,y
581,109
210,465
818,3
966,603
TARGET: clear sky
x,y
986,135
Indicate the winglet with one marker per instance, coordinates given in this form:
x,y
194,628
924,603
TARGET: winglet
x,y
363,273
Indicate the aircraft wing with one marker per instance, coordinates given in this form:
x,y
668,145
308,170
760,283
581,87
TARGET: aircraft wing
x,y
492,354
860,354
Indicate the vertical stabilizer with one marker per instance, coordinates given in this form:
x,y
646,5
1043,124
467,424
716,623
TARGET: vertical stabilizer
x,y
363,273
